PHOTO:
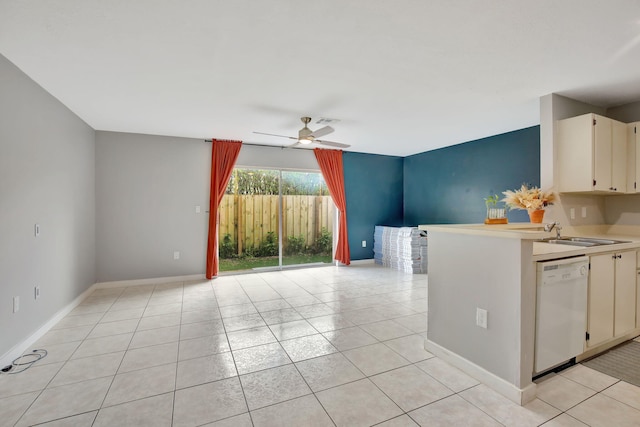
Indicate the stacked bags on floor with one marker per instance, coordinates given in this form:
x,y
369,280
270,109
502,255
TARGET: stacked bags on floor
x,y
400,248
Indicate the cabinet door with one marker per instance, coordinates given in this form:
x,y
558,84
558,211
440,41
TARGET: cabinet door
x,y
619,156
602,154
600,310
575,153
633,158
638,299
625,293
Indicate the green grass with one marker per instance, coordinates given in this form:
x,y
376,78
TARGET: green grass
x,y
236,264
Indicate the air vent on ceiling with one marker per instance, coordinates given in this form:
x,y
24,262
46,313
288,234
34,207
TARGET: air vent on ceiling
x,y
326,121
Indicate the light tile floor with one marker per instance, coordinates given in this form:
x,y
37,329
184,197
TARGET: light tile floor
x,y
314,347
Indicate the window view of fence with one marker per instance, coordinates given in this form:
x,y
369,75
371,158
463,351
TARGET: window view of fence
x,y
249,220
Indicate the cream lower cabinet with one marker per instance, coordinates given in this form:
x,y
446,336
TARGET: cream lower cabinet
x,y
638,290
612,296
638,300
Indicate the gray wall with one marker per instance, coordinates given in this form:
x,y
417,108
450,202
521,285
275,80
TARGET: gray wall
x,y
147,190
627,113
47,176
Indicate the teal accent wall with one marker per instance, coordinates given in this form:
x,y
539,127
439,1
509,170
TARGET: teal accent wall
x,y
448,185
373,189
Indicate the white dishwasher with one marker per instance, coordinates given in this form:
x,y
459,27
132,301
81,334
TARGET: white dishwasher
x,y
561,311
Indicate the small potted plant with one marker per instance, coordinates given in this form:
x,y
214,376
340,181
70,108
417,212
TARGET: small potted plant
x,y
495,214
532,199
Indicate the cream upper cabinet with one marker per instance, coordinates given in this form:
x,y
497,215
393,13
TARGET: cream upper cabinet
x,y
633,158
591,154
612,296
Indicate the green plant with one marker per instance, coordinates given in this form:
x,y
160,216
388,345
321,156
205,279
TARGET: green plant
x,y
250,252
269,247
227,247
295,245
492,201
324,243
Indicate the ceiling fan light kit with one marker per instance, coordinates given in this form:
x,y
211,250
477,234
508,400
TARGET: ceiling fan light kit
x,y
306,136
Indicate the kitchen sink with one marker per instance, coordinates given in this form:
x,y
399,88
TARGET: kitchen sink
x,y
581,241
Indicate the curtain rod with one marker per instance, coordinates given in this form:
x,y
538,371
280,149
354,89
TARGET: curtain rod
x,y
265,145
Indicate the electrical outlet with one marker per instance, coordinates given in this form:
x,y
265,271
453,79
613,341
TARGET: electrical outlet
x,y
197,208
481,317
16,304
364,243
572,213
36,292
176,255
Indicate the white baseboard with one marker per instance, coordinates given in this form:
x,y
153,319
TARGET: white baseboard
x,y
362,261
505,388
20,348
154,281
23,346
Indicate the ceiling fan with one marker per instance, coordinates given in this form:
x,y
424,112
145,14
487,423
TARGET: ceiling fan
x,y
307,136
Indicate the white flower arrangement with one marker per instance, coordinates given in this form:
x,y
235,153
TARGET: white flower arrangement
x,y
528,198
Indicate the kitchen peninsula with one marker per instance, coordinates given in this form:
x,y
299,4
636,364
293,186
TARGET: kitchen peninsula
x,y
473,268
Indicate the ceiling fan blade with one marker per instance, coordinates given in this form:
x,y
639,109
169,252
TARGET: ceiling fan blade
x,y
332,144
273,134
322,132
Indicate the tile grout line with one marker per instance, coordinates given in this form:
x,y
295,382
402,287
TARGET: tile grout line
x,y
235,365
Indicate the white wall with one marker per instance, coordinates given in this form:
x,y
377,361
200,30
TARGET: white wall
x,y
467,272
47,176
147,188
275,157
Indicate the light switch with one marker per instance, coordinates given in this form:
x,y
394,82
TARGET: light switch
x,y
572,213
197,208
176,255
364,243
36,230
481,317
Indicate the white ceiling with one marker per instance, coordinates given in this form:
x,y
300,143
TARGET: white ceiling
x,y
402,76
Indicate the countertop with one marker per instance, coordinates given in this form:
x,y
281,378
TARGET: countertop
x,y
547,251
521,230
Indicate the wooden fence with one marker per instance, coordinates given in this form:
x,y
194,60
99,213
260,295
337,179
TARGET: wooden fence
x,y
248,218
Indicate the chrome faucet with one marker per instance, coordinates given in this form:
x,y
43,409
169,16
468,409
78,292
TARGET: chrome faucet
x,y
556,225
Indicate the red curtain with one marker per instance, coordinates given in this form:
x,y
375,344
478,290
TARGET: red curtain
x,y
330,162
223,157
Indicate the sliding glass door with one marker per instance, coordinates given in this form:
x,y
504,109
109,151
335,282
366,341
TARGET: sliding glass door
x,y
275,218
